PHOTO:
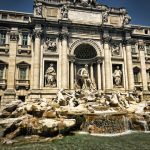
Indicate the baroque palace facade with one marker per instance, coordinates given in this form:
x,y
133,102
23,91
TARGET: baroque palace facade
x,y
43,52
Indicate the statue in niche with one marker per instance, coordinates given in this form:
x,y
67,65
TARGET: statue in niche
x,y
50,76
38,9
50,45
64,12
126,20
115,50
117,75
84,79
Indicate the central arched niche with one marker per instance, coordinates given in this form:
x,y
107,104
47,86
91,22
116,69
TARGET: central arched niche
x,y
85,51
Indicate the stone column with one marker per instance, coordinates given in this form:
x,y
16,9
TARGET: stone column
x,y
129,65
59,49
9,94
37,53
143,65
64,61
99,74
29,39
12,59
91,72
72,74
107,63
7,38
20,39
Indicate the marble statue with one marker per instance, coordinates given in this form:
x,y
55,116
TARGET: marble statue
x,y
60,97
117,75
50,76
105,16
64,12
87,83
114,100
72,100
38,9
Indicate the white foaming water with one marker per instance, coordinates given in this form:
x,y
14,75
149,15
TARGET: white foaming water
x,y
111,135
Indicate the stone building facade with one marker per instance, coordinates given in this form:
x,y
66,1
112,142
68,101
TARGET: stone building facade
x,y
47,50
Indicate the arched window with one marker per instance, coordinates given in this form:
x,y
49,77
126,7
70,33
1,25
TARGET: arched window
x,y
85,51
2,38
3,78
136,72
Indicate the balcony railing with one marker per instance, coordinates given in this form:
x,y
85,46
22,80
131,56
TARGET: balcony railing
x,y
3,84
22,84
24,49
4,48
138,83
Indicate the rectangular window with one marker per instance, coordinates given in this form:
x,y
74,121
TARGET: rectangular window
x,y
24,40
136,78
0,101
133,49
26,18
23,72
1,71
148,49
2,38
4,16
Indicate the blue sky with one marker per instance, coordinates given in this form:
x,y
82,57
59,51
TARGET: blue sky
x,y
139,10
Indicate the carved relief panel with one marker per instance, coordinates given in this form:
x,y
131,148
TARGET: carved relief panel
x,y
116,50
50,45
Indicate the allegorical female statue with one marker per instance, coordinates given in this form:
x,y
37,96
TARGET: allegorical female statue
x,y
117,75
50,76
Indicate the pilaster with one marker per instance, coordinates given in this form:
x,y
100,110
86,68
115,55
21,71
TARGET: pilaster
x,y
64,59
107,63
9,94
129,64
99,74
72,74
141,47
12,58
37,54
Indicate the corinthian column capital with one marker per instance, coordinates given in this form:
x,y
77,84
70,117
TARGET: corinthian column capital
x,y
14,35
38,33
63,35
130,41
141,45
106,39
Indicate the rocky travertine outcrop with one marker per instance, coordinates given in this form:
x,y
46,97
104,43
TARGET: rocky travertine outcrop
x,y
68,112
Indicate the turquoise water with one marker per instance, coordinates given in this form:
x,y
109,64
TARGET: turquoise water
x,y
133,141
